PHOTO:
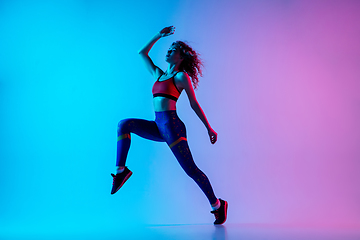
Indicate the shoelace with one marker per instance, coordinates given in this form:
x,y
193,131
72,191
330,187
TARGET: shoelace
x,y
114,177
216,213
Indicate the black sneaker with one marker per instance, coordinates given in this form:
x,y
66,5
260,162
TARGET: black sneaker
x,y
119,179
221,213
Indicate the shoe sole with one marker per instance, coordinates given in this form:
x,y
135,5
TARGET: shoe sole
x,y
125,179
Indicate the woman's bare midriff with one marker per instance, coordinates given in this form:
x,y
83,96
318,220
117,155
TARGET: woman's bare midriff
x,y
163,104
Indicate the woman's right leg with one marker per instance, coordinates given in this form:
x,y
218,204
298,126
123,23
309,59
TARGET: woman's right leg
x,y
142,128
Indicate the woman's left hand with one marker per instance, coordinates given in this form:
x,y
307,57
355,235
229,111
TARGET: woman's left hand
x,y
167,31
212,135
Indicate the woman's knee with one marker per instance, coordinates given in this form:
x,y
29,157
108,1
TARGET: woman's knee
x,y
123,126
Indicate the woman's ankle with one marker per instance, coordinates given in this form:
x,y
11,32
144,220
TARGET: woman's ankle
x,y
120,169
216,205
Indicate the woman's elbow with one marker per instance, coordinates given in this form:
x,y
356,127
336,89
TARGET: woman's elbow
x,y
142,52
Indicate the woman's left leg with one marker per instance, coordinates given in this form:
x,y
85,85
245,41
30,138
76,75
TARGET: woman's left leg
x,y
183,155
173,131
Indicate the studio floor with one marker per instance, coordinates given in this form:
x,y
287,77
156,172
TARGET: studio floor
x,y
206,232
250,232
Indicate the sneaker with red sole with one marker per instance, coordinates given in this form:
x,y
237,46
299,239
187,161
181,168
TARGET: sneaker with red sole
x,y
221,213
119,179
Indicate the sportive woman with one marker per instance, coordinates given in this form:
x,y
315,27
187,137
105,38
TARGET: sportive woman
x,y
184,65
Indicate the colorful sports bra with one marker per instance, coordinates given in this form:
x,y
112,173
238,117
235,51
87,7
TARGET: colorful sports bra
x,y
166,88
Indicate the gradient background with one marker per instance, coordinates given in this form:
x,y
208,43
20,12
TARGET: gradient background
x,y
281,88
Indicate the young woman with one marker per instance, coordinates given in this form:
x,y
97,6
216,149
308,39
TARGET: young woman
x,y
183,64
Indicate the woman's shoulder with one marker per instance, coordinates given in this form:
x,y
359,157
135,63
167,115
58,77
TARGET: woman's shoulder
x,y
182,80
181,75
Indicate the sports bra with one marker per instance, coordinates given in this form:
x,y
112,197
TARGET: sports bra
x,y
166,88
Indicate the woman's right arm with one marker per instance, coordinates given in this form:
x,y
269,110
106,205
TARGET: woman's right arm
x,y
144,54
144,51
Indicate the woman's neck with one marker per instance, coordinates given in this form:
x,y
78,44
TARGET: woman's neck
x,y
172,68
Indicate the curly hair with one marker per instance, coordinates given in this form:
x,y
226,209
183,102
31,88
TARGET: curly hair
x,y
191,64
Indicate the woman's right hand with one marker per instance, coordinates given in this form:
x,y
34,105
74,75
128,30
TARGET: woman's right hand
x,y
212,135
167,31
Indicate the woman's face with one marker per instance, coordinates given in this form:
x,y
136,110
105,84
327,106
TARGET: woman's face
x,y
173,55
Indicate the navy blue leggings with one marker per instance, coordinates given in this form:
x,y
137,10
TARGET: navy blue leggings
x,y
168,128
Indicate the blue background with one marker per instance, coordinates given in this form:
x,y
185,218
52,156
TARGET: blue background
x,y
280,86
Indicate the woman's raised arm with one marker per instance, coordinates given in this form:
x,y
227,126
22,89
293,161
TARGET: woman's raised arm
x,y
144,51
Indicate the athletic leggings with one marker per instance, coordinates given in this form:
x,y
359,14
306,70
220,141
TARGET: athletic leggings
x,y
168,128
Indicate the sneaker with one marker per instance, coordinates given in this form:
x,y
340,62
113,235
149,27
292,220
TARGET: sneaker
x,y
221,213
119,179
